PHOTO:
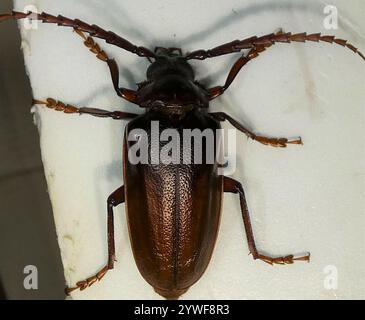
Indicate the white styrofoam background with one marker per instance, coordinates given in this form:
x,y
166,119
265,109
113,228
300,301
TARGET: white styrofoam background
x,y
308,198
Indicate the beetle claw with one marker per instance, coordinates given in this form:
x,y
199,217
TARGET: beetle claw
x,y
296,141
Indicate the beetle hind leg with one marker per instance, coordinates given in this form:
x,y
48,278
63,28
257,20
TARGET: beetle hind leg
x,y
116,198
234,186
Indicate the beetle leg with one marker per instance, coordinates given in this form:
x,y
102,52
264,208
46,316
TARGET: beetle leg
x,y
236,68
67,108
233,186
128,94
116,198
274,142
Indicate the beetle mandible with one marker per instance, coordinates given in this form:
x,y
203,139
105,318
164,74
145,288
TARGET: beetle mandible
x,y
172,232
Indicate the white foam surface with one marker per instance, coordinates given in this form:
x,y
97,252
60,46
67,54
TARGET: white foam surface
x,y
308,198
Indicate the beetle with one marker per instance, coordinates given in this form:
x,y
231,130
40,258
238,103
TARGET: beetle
x,y
172,230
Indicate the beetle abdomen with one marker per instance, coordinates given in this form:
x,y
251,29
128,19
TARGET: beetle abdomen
x,y
173,216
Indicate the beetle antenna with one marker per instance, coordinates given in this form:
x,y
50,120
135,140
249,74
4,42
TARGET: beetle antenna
x,y
94,30
267,41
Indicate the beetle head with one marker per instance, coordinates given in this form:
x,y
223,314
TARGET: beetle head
x,y
170,82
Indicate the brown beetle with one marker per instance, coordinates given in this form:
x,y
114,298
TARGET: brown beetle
x,y
173,210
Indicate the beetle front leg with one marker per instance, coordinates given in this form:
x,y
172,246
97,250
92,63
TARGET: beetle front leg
x,y
233,186
116,198
238,65
127,94
274,142
69,109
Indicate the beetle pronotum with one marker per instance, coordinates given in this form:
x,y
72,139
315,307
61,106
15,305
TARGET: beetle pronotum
x,y
171,235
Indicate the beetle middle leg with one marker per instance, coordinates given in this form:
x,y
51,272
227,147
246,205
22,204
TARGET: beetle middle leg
x,y
274,142
69,109
233,186
116,198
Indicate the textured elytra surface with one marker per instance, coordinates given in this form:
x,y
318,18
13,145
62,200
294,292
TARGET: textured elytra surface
x,y
172,230
301,198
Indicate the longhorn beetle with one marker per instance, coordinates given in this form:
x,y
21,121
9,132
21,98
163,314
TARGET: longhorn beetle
x,y
173,216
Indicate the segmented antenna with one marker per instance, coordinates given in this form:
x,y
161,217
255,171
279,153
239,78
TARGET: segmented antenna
x,y
269,40
93,30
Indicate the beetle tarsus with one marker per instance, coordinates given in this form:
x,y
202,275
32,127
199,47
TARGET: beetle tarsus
x,y
277,142
82,285
289,259
93,46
